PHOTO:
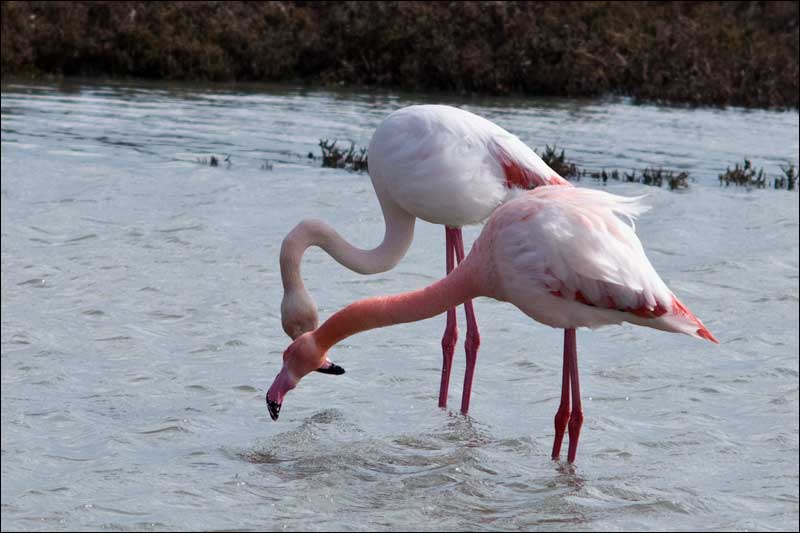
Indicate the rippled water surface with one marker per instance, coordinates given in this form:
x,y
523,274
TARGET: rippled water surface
x,y
140,329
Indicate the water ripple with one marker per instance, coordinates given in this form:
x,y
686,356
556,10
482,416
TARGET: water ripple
x,y
133,382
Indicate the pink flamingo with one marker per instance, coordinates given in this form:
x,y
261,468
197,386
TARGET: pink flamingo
x,y
438,163
567,257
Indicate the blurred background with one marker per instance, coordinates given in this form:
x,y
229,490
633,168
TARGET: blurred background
x,y
727,53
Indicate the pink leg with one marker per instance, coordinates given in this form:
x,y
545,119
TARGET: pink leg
x,y
576,420
473,340
562,415
451,330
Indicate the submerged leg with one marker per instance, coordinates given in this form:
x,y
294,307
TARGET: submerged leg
x,y
562,415
576,419
451,330
473,340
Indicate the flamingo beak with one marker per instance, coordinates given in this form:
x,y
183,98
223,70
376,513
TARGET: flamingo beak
x,y
274,408
284,383
331,368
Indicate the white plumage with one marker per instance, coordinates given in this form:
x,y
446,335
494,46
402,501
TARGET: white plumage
x,y
446,165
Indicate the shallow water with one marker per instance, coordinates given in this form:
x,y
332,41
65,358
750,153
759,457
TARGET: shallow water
x,y
140,328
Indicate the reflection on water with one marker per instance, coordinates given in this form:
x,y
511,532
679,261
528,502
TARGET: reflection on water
x,y
140,326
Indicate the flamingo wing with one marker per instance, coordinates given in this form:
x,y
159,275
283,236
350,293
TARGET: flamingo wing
x,y
580,246
521,166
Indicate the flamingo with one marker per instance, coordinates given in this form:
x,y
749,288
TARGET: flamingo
x,y
438,163
567,257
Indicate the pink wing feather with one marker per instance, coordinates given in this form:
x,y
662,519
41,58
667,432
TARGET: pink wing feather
x,y
522,167
580,245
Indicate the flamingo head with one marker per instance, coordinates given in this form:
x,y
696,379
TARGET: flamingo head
x,y
298,313
300,358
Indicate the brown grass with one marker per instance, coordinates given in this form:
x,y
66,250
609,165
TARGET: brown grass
x,y
740,53
747,175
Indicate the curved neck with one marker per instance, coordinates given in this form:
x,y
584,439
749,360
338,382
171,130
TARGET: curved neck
x,y
460,285
397,238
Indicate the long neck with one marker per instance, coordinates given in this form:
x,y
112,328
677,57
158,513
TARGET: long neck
x,y
396,240
462,284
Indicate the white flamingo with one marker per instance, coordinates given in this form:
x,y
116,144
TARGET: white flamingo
x,y
438,163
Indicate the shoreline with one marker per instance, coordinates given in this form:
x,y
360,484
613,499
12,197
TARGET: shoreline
x,y
69,82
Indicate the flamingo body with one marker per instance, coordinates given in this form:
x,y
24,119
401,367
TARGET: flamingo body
x,y
570,258
448,166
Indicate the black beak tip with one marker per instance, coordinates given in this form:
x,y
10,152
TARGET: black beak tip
x,y
334,370
274,408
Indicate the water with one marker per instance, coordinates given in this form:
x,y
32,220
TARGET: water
x,y
140,329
